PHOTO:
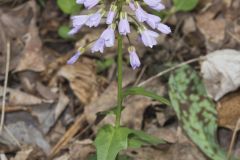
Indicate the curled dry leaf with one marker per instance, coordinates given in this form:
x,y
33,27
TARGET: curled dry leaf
x,y
221,72
82,78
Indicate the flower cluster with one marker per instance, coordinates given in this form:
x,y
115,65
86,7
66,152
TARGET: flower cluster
x,y
118,18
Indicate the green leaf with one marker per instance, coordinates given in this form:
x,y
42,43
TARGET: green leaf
x,y
195,111
138,138
63,32
110,141
143,92
68,6
185,5
105,64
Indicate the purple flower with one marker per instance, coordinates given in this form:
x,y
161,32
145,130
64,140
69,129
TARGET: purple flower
x,y
134,60
141,15
75,57
123,26
111,14
153,21
107,39
88,3
98,46
77,23
163,28
79,20
148,37
109,36
95,19
155,4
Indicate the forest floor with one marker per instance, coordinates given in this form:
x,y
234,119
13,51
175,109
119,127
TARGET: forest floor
x,y
51,107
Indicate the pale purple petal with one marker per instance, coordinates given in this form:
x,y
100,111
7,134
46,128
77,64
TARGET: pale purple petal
x,y
134,60
108,36
110,17
149,37
94,19
74,58
153,21
164,28
98,46
141,15
90,3
124,27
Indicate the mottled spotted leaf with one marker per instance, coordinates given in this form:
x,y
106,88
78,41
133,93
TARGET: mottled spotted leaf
x,y
195,111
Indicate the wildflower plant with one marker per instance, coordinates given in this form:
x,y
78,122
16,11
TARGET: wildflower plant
x,y
121,18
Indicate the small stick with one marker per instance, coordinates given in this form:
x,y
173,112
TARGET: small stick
x,y
12,136
233,139
5,86
170,69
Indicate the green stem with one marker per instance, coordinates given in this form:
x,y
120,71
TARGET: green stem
x,y
119,63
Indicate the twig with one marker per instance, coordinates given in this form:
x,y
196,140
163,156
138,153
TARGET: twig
x,y
12,136
140,75
170,69
233,36
233,139
5,86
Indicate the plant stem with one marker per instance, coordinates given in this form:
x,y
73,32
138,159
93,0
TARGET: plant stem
x,y
119,73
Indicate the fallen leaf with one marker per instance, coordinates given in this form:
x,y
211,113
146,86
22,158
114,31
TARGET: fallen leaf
x,y
23,154
81,149
48,114
221,72
82,78
229,110
19,25
24,128
16,97
213,35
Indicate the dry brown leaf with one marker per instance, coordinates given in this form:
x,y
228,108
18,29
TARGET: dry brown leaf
x,y
19,25
45,91
24,128
221,72
212,28
229,110
48,114
81,149
23,154
82,78
16,97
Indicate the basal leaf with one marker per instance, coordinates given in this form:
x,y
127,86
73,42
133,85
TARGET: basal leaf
x,y
195,111
110,140
185,5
